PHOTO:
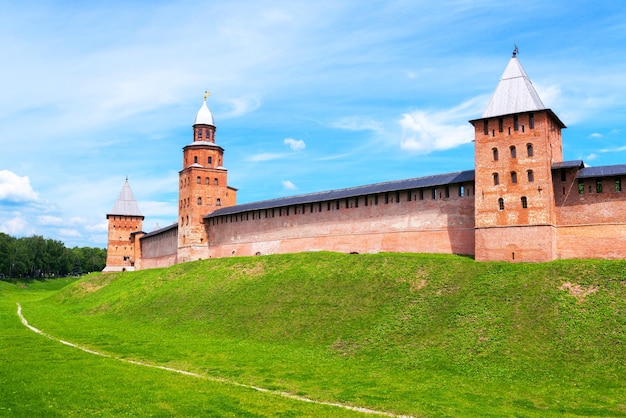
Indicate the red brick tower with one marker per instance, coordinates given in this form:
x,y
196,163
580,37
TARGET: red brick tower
x,y
202,186
124,220
516,141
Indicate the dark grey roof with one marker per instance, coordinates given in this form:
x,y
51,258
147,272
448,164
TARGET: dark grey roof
x,y
604,171
568,164
160,230
390,186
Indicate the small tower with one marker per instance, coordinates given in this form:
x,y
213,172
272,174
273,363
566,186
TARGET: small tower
x,y
516,142
202,186
125,219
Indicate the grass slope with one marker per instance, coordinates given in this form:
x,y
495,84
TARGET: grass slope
x,y
425,335
40,377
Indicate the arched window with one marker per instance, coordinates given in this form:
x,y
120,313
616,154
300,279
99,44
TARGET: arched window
x,y
495,153
524,202
207,181
195,159
501,204
531,176
215,182
199,133
218,202
513,177
513,151
209,160
199,201
529,150
496,179
198,181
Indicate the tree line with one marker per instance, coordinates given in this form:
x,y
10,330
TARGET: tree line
x,y
37,257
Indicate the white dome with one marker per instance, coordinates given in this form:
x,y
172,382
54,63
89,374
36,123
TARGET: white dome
x,y
204,116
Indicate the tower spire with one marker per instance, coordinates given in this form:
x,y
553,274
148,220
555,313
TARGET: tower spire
x,y
515,92
126,205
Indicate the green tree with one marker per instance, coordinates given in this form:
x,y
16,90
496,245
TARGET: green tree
x,y
7,244
37,257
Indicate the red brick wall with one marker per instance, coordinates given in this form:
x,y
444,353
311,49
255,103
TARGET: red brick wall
x,y
120,248
156,262
443,225
516,243
536,191
159,250
590,224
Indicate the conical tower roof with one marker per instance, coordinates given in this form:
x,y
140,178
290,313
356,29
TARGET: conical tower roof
x,y
204,115
126,204
515,93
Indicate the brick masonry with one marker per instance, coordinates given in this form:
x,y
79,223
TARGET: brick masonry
x,y
121,252
520,208
441,225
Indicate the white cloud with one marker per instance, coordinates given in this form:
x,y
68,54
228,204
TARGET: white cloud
x,y
334,157
355,123
295,144
550,95
288,185
240,106
101,227
591,157
612,150
77,220
15,188
49,220
596,135
277,16
427,131
267,156
64,232
17,226
154,208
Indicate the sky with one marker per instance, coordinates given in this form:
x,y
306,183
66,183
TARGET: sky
x,y
307,95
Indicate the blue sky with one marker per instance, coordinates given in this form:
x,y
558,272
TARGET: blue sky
x,y
307,96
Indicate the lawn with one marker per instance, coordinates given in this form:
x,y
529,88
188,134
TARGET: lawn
x,y
421,335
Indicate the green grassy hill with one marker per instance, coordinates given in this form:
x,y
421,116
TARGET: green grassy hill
x,y
421,335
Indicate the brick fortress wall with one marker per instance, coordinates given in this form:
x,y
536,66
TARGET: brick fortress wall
x,y
159,248
591,216
388,222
